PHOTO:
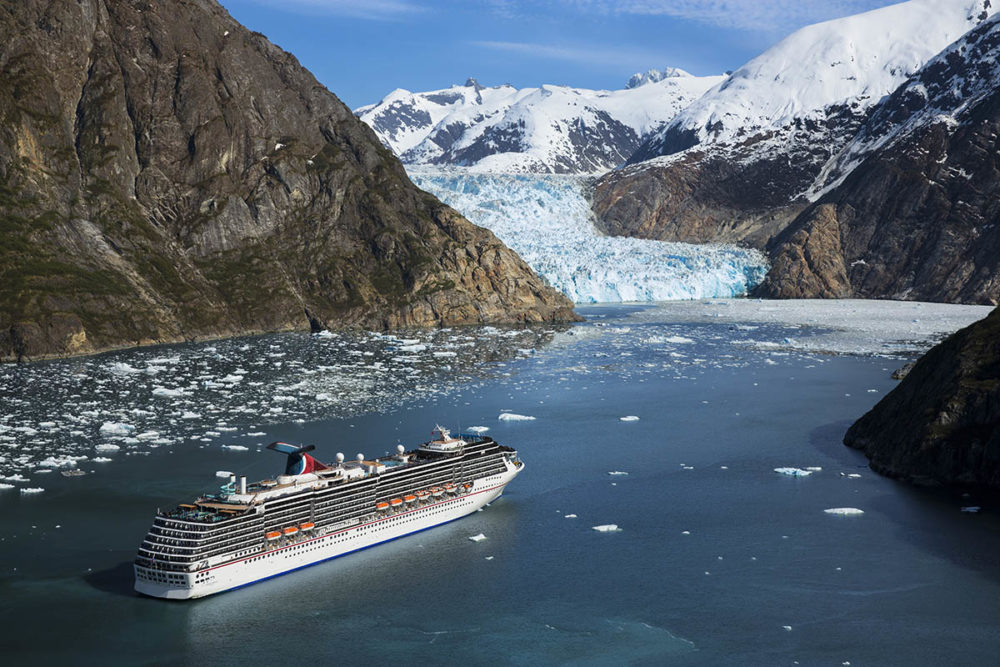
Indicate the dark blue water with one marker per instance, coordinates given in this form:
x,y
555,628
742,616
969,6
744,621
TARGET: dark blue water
x,y
718,560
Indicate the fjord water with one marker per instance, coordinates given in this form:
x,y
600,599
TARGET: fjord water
x,y
717,560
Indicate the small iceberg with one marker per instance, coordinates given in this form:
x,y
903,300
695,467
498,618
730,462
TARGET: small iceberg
x,y
223,474
607,528
617,472
236,448
972,509
513,417
115,428
793,472
31,489
570,516
106,448
628,418
478,429
845,511
477,538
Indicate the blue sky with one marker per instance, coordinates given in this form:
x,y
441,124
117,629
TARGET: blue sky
x,y
362,49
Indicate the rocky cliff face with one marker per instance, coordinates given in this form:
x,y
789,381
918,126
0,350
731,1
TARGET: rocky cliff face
x,y
941,425
916,210
166,174
743,161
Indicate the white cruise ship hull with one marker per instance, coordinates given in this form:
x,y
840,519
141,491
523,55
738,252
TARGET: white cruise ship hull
x,y
312,550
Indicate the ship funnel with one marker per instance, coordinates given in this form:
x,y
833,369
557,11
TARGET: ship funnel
x,y
299,463
243,484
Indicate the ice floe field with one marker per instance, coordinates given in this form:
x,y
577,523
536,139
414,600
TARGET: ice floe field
x,y
685,500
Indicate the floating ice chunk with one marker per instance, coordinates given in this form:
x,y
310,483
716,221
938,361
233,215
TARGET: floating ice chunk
x,y
972,509
629,418
120,368
4,486
323,396
236,448
793,472
787,628
168,393
678,340
685,532
607,528
190,415
46,424
325,334
232,379
32,489
17,477
617,472
845,511
570,516
101,459
489,558
477,538
106,448
513,417
478,429
815,469
256,434
116,428
445,353
223,474
854,475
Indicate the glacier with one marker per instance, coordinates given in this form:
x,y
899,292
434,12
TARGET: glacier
x,y
547,220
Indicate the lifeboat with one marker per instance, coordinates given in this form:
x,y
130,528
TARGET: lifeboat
x,y
437,492
308,525
382,506
291,530
409,499
450,488
273,535
467,486
396,502
423,495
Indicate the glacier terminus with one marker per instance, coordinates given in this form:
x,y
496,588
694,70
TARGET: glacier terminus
x,y
547,219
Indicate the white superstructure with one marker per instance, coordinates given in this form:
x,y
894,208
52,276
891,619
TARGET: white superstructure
x,y
315,512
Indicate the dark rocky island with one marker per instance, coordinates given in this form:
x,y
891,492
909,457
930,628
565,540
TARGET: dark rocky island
x,y
941,425
167,175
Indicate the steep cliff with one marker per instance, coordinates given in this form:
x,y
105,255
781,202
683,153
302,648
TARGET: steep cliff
x,y
166,174
744,160
913,204
941,425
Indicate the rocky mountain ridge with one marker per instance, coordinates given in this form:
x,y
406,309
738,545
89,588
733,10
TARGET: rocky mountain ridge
x,y
910,210
165,174
741,162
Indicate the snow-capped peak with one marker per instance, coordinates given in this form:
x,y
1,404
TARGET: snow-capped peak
x,y
849,62
654,75
549,129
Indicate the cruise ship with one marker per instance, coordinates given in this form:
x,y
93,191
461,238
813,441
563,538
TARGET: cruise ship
x,y
317,511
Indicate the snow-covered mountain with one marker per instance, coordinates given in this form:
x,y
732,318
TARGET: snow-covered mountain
x,y
551,129
737,163
910,208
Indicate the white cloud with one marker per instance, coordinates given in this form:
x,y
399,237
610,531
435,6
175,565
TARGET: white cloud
x,y
593,55
756,15
379,10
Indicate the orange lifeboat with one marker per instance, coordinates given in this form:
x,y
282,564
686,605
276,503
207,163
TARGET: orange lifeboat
x,y
382,506
273,535
396,502
466,486
291,530
410,498
450,488
308,525
423,495
437,492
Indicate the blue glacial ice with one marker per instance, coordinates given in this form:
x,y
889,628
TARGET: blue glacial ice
x,y
547,220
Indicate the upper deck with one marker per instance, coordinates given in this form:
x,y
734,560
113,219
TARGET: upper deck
x,y
232,501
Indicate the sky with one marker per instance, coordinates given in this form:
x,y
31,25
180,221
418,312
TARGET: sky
x,y
363,49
